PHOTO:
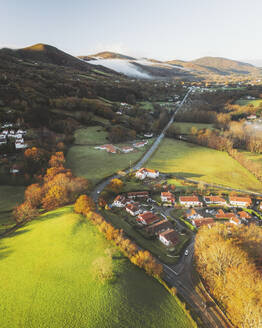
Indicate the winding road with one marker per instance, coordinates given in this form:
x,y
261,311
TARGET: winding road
x,y
179,275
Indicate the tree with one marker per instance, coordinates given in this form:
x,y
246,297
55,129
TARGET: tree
x,y
33,195
115,185
55,197
57,160
24,212
84,205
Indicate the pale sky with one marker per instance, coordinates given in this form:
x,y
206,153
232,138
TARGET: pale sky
x,y
160,29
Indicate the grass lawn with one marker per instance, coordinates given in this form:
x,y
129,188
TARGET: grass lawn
x,y
147,105
245,102
256,158
10,196
95,164
48,281
186,127
91,135
202,164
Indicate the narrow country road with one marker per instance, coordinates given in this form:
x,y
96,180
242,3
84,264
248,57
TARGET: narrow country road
x,y
179,275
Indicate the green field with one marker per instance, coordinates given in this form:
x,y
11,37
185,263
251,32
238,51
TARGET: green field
x,y
92,135
185,127
95,164
10,196
246,102
147,105
202,164
48,281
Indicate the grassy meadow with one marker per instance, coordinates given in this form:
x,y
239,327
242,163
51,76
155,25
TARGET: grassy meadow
x,y
92,135
95,164
185,127
246,102
204,164
48,281
10,196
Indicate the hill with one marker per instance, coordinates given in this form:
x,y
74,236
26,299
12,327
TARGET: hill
x,y
108,55
48,279
217,65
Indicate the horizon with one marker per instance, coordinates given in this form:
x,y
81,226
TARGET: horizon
x,y
165,31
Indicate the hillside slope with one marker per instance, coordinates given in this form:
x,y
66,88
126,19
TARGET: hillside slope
x,y
48,281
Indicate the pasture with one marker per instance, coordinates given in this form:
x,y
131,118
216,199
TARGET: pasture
x,y
191,161
48,280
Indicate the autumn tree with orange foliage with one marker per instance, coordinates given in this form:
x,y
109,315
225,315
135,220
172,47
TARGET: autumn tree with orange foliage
x,y
24,212
33,195
35,159
84,205
56,196
57,160
115,185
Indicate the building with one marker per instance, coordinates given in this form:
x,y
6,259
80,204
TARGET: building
x,y
146,173
188,201
216,200
127,149
158,227
222,215
168,197
169,237
244,215
240,201
109,148
148,135
192,214
132,209
120,201
204,221
235,221
138,194
140,144
147,218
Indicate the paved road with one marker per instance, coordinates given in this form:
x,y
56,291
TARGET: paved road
x,y
178,275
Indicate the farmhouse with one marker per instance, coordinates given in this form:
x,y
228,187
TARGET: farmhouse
x,y
120,201
146,173
127,149
240,201
132,209
140,144
215,200
158,227
192,214
168,237
167,197
188,201
109,148
204,221
138,194
147,218
148,135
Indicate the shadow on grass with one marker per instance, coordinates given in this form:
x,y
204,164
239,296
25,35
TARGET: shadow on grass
x,y
4,252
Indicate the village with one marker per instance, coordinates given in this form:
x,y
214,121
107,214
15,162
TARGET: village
x,y
167,216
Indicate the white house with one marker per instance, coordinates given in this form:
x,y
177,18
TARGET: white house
x,y
146,173
235,221
127,149
240,201
168,237
120,201
167,197
132,209
188,201
140,144
216,200
192,214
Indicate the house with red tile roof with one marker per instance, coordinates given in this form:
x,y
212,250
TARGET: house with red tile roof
x,y
127,149
204,221
168,197
147,218
240,201
146,173
216,200
222,215
244,215
138,194
133,209
140,144
109,148
192,214
235,221
188,201
169,237
158,227
120,201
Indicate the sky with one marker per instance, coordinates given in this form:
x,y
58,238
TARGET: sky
x,y
160,29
